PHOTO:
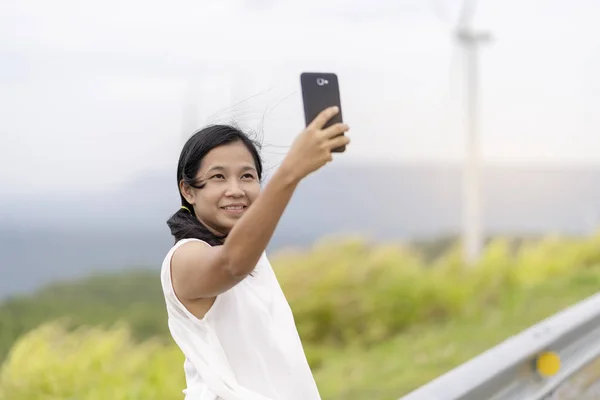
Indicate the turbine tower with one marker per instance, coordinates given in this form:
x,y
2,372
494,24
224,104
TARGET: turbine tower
x,y
471,40
189,112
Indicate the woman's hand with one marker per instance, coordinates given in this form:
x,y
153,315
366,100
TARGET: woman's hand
x,y
312,148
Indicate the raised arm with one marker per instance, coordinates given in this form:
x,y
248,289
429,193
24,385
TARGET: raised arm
x,y
202,271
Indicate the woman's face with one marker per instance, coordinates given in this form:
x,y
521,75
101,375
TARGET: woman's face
x,y
231,186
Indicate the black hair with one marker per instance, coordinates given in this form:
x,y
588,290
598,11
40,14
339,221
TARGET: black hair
x,y
184,224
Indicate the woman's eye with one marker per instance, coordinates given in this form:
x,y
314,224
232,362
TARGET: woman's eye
x,y
248,176
218,176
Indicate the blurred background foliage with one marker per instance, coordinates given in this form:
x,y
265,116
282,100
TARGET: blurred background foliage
x,y
377,319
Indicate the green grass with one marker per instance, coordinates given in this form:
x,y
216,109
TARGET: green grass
x,y
377,320
107,364
395,367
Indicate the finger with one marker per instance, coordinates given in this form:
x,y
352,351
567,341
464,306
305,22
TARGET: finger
x,y
323,117
335,130
338,142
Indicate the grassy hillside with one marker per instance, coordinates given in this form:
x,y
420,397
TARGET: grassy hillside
x,y
377,321
132,296
410,359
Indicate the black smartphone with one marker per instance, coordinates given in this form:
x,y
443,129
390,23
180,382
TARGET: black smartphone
x,y
321,91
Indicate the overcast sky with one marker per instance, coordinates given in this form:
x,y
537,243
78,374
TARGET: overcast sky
x,y
93,94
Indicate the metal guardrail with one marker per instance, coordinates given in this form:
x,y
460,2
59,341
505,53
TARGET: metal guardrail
x,y
515,368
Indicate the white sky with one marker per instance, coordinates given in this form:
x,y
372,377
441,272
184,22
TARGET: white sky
x,y
92,93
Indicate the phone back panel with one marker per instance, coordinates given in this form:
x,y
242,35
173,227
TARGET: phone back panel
x,y
320,91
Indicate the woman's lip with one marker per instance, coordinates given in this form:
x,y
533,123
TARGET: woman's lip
x,y
235,211
234,205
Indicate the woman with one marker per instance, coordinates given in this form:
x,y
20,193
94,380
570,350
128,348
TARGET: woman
x,y
226,310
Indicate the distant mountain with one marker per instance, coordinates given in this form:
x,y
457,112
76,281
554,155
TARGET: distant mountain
x,y
67,238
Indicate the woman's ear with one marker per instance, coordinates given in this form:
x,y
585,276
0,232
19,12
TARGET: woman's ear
x,y
187,192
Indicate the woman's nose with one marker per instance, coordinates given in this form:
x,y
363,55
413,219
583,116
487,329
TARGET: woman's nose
x,y
234,190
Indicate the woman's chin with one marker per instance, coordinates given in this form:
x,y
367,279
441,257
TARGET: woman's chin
x,y
226,225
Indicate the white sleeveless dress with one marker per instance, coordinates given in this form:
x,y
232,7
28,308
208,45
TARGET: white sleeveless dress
x,y
246,346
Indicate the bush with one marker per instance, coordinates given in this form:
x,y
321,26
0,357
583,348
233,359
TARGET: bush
x,y
351,292
52,362
133,296
347,295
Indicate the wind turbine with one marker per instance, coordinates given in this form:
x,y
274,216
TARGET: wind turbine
x,y
189,110
194,97
470,41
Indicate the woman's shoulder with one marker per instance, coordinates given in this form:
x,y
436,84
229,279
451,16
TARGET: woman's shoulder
x,y
182,242
166,265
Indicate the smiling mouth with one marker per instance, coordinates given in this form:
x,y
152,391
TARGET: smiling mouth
x,y
234,208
